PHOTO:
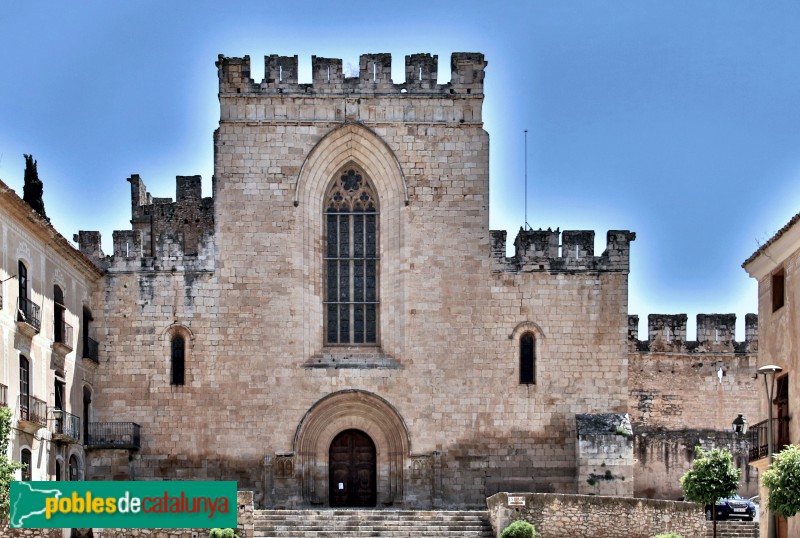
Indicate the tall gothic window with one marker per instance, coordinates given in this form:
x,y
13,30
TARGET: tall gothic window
x,y
351,260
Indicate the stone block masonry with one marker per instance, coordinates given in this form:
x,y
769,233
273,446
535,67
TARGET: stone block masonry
x,y
685,393
247,278
584,516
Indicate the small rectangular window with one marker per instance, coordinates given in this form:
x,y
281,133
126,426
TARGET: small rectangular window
x,y
778,289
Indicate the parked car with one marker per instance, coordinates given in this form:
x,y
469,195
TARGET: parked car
x,y
733,507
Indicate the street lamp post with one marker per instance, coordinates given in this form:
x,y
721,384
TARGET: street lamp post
x,y
769,371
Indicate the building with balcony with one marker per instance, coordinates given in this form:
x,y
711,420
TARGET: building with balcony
x,y
46,378
776,267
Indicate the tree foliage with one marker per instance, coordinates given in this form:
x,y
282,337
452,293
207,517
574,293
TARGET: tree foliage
x,y
519,529
782,479
33,189
7,466
711,477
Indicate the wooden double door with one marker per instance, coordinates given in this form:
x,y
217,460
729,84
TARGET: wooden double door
x,y
352,464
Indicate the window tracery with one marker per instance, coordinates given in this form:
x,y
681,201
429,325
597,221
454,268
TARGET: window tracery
x,y
351,260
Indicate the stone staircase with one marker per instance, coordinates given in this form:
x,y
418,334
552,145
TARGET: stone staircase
x,y
733,529
370,523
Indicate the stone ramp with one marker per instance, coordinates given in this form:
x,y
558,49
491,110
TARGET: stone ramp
x,y
371,523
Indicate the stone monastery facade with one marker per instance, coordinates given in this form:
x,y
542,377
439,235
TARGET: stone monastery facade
x,y
336,325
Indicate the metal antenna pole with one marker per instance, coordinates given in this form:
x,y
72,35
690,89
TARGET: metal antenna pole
x,y
527,226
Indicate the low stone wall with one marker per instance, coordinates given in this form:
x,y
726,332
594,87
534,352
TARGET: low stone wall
x,y
31,533
244,519
590,516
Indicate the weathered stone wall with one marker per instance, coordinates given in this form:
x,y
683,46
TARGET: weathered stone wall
x,y
590,516
452,305
685,394
32,533
605,455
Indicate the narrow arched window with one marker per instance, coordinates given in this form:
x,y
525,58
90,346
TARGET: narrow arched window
x,y
26,459
527,359
178,360
351,260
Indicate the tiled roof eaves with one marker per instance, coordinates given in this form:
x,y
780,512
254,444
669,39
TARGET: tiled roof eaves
x,y
772,239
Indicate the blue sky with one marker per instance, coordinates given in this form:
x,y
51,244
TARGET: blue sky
x,y
675,119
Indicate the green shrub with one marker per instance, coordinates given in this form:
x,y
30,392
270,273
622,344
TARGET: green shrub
x,y
668,535
519,529
222,533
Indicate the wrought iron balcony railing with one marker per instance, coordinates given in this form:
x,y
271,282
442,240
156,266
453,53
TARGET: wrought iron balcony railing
x,y
759,437
30,313
90,350
65,426
3,396
114,435
63,334
32,409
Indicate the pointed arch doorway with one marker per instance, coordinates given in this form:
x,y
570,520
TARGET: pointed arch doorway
x,y
353,470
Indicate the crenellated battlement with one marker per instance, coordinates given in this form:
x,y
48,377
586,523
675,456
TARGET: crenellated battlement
x,y
374,77
553,251
715,334
164,234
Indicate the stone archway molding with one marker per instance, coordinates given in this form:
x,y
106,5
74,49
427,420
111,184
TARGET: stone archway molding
x,y
351,409
351,142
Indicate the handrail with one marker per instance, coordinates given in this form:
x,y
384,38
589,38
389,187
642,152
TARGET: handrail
x,y
758,435
114,435
30,313
65,424
90,350
63,334
32,409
